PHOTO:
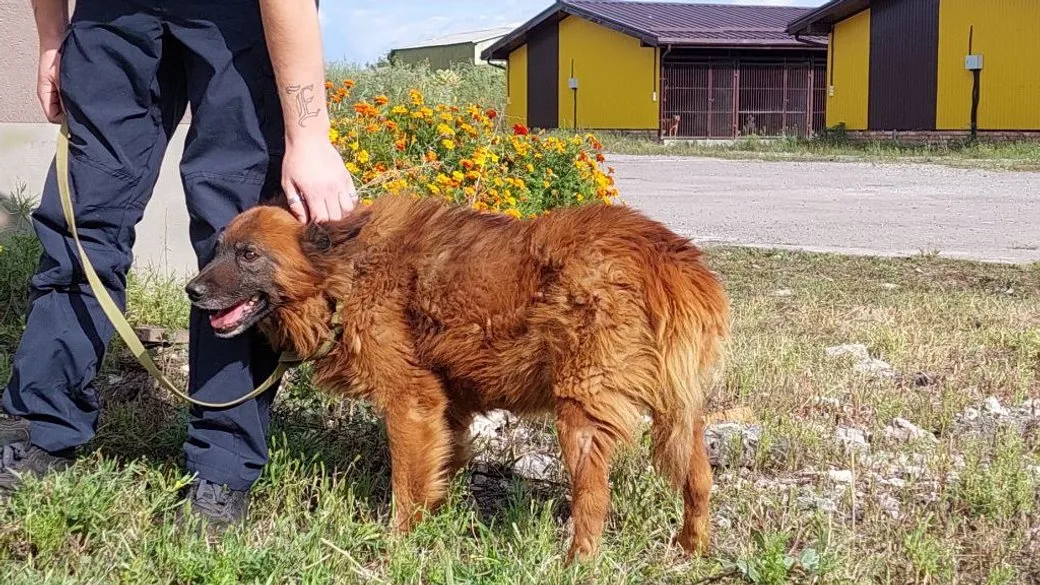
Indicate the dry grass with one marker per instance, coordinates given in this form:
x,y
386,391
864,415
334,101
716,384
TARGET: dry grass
x,y
957,508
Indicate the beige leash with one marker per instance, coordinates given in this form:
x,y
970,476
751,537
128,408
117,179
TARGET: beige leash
x,y
285,361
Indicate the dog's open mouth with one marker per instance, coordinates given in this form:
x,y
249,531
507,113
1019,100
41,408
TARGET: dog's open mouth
x,y
238,317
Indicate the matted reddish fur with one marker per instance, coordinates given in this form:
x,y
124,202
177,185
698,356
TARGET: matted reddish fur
x,y
596,314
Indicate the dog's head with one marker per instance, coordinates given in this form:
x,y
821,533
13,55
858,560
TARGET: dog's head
x,y
266,260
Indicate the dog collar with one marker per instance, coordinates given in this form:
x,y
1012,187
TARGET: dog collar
x,y
335,332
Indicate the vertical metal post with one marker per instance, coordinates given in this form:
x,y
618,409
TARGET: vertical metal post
x,y
736,99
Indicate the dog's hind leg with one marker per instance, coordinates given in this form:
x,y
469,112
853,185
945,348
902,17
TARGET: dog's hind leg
x,y
693,537
587,450
459,422
420,448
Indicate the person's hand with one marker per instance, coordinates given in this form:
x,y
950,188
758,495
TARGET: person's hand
x,y
47,89
316,182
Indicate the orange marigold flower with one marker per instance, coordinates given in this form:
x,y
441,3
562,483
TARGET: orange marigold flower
x,y
491,113
401,144
348,83
431,156
328,85
366,109
381,100
466,164
520,130
601,158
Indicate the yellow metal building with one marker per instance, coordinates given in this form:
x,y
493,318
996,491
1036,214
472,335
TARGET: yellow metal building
x,y
912,65
663,67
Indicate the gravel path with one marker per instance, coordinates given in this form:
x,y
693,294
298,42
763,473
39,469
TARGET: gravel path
x,y
852,208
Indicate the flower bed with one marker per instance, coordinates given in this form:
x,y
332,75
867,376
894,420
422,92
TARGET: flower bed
x,y
466,155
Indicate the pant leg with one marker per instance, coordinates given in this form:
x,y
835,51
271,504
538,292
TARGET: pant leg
x,y
232,159
110,86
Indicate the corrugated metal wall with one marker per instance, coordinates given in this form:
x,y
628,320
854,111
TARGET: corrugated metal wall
x,y
848,72
543,76
904,53
516,86
1007,35
617,78
725,98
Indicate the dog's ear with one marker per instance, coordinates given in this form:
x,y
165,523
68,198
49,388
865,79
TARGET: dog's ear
x,y
316,239
320,238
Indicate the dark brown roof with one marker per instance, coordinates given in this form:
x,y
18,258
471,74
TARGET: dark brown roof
x,y
672,23
820,21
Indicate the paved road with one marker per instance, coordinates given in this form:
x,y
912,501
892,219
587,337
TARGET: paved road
x,y
853,208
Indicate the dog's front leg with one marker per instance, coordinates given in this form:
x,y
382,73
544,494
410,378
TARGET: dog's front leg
x,y
420,447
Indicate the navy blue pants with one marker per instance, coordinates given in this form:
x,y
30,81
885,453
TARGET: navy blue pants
x,y
129,69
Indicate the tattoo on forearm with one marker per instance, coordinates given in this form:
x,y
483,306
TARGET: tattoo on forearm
x,y
303,95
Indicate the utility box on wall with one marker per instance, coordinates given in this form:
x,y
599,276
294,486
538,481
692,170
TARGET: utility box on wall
x,y
973,62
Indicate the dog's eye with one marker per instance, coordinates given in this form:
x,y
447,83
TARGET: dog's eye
x,y
248,255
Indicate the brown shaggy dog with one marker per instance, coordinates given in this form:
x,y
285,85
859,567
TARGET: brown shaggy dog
x,y
595,314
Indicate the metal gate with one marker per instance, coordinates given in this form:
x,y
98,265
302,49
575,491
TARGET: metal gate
x,y
728,98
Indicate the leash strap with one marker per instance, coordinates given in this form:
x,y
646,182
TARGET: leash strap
x,y
113,313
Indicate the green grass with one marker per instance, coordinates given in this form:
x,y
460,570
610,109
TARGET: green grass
x,y
321,509
1014,156
460,86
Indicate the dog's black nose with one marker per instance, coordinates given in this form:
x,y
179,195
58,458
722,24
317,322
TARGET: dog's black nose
x,y
195,291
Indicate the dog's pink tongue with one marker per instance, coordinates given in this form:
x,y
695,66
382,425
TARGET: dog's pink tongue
x,y
228,318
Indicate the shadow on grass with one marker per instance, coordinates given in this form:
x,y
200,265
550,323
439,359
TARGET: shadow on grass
x,y
324,439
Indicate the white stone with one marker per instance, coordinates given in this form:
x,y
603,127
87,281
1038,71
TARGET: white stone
x,y
875,367
840,475
896,482
856,350
852,439
490,425
993,406
784,292
828,401
904,430
534,465
890,505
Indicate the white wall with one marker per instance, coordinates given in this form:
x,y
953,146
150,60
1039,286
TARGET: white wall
x,y
27,144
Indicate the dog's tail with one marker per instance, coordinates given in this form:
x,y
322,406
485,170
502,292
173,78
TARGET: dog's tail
x,y
692,324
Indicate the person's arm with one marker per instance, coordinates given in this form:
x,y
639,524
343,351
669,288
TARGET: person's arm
x,y
52,17
314,177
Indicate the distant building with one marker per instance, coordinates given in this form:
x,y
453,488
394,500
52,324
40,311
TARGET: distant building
x,y
449,50
681,70
911,66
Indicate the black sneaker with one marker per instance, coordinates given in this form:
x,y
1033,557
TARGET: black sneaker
x,y
13,430
217,506
20,459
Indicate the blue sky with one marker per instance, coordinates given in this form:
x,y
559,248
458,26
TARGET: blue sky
x,y
362,31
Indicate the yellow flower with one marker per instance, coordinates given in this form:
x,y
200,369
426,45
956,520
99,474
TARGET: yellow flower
x,y
449,144
398,110
353,169
333,135
433,188
445,130
530,168
363,157
355,146
416,97
514,213
457,175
